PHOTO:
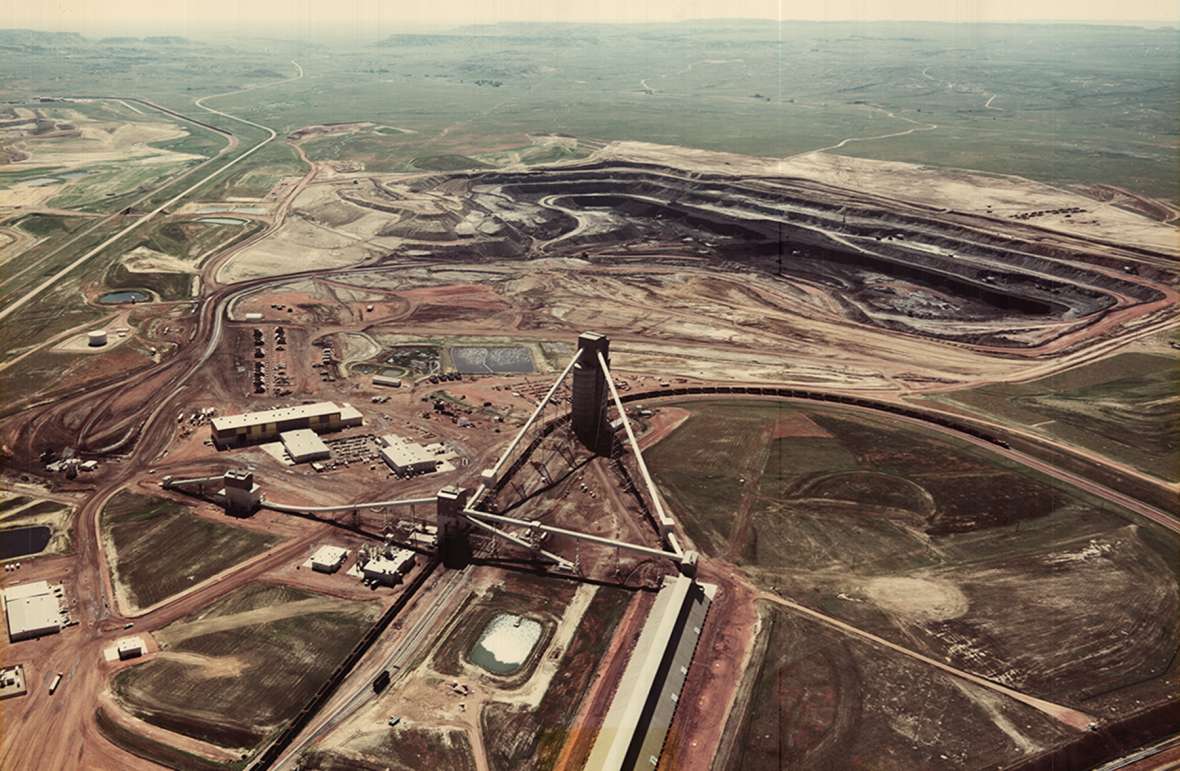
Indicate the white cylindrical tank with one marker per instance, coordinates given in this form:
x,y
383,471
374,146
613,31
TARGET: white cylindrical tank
x,y
97,338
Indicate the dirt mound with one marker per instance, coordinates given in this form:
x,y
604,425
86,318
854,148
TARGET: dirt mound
x,y
919,599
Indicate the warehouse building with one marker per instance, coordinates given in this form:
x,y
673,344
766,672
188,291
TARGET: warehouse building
x,y
407,457
32,610
304,445
268,425
636,725
385,380
389,570
328,559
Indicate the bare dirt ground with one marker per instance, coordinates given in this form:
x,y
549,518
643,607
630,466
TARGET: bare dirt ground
x,y
970,191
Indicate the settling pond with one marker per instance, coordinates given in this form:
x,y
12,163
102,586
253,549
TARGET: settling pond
x,y
222,221
477,359
124,296
506,643
23,541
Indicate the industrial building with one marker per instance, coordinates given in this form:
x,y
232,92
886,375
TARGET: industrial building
x,y
304,445
328,559
588,407
268,425
32,610
407,457
129,648
389,570
12,681
241,494
385,380
636,725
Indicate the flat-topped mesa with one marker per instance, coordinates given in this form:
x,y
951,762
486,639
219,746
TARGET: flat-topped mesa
x,y
589,407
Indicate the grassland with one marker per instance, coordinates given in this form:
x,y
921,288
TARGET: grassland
x,y
522,739
1124,407
933,543
1065,104
255,176
46,225
149,749
189,240
28,512
11,502
406,749
377,151
159,548
21,511
29,378
110,186
237,670
106,186
53,232
195,142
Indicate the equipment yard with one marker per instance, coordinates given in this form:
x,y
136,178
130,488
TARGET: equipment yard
x,y
309,458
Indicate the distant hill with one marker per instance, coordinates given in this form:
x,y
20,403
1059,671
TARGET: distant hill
x,y
421,40
490,34
262,72
167,40
35,40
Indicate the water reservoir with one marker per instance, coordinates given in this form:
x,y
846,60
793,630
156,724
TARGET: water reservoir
x,y
124,296
506,643
23,541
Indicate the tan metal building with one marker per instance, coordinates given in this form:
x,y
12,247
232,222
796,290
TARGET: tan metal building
x,y
267,425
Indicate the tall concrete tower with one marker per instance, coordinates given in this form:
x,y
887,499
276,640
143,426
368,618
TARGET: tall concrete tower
x,y
242,496
453,546
590,394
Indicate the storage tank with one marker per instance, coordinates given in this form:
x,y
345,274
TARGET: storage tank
x,y
97,338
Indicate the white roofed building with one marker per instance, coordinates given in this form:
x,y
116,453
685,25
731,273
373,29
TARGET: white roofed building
x,y
32,610
389,570
129,648
304,445
408,457
328,559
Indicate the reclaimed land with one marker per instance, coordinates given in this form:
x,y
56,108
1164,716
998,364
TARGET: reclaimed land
x,y
936,545
1124,407
816,699
237,670
161,548
150,749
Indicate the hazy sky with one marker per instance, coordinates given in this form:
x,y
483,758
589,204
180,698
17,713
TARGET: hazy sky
x,y
383,15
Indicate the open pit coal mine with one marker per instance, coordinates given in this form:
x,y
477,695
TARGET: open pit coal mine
x,y
962,278
900,266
